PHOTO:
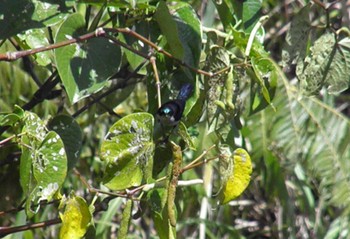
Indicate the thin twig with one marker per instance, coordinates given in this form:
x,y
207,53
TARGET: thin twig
x,y
12,56
155,70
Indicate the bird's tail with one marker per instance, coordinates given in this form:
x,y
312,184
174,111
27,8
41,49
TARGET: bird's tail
x,y
185,92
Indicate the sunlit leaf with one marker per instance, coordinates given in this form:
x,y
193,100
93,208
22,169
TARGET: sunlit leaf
x,y
75,219
34,38
251,13
20,15
235,171
84,67
43,165
128,151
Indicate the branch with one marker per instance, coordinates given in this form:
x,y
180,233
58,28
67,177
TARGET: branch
x,y
12,56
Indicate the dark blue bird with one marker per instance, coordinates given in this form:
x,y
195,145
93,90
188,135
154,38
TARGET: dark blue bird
x,y
170,113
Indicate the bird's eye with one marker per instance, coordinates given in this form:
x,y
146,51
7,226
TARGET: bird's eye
x,y
167,111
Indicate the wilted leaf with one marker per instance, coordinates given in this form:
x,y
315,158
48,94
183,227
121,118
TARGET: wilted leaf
x,y
297,37
235,171
317,64
75,219
128,151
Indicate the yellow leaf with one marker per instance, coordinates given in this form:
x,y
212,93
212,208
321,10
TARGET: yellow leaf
x,y
75,219
239,177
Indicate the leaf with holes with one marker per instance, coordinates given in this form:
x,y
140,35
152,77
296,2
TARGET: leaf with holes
x,y
128,151
43,165
327,65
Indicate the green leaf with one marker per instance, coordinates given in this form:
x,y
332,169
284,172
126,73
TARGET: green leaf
x,y
75,219
50,163
338,75
190,33
128,151
225,14
251,14
182,130
235,171
264,84
11,118
69,131
327,65
157,199
182,31
35,38
43,165
84,67
218,58
147,30
20,15
169,29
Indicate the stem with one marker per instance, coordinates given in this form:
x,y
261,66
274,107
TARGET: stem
x,y
12,56
154,66
9,230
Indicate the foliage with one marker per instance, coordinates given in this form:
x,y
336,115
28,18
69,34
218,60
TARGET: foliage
x,y
82,149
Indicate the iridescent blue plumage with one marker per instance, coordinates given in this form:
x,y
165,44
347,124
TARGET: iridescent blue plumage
x,y
171,112
185,92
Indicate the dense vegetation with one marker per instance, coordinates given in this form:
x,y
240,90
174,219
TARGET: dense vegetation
x,y
262,149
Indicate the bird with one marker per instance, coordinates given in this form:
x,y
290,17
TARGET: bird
x,y
170,113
